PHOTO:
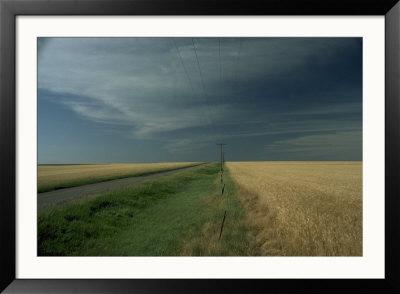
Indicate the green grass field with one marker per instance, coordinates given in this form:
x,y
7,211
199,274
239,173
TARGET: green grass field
x,y
175,215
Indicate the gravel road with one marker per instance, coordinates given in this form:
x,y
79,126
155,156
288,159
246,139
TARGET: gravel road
x,y
58,197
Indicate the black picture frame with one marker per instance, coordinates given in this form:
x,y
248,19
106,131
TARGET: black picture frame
x,y
9,9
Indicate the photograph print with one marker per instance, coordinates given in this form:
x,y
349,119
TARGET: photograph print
x,y
199,146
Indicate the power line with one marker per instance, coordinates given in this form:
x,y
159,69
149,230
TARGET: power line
x,y
202,79
201,74
220,62
184,67
238,58
190,80
220,90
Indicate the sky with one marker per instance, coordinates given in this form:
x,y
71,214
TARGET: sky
x,y
116,100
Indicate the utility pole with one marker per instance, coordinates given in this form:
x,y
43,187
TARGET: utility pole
x,y
220,144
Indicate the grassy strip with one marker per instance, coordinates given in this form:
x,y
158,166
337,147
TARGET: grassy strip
x,y
235,238
75,183
177,215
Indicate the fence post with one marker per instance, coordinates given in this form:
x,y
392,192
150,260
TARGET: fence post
x,y
222,226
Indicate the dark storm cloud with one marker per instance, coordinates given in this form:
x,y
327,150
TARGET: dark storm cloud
x,y
289,94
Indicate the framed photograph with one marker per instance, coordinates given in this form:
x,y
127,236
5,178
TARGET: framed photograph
x,y
172,146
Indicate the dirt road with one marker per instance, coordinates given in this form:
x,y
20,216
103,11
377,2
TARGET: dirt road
x,y
58,197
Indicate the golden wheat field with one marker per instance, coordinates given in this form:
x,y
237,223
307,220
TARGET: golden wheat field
x,y
59,174
302,208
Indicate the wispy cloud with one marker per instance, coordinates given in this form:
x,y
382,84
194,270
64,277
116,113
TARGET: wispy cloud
x,y
156,88
337,144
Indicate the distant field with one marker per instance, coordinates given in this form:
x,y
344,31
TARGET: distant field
x,y
302,208
51,177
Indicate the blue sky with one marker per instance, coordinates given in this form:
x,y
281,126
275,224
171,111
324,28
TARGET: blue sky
x,y
104,100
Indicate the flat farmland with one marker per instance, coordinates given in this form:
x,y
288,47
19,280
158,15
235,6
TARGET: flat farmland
x,y
51,177
302,208
271,209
